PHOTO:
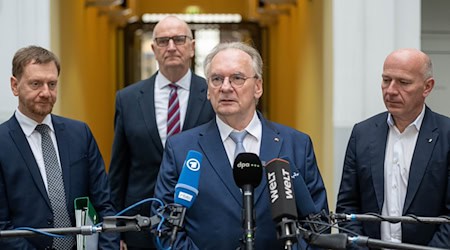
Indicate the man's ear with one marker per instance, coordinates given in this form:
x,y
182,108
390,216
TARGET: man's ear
x,y
14,85
429,84
258,88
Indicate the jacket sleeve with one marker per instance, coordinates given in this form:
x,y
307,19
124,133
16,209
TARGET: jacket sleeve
x,y
348,198
164,191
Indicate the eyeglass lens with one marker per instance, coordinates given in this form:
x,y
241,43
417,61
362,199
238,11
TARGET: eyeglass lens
x,y
236,80
164,41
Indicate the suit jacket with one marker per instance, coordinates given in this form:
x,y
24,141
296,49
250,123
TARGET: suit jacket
x,y
214,221
428,191
137,148
23,198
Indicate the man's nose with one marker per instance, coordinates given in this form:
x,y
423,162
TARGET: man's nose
x,y
45,90
392,88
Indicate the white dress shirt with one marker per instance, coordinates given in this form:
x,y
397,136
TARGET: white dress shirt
x,y
399,152
252,141
34,139
162,91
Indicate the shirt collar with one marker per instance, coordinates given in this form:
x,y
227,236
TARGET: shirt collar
x,y
252,128
28,125
416,123
184,82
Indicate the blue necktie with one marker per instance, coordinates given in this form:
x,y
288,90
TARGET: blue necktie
x,y
238,138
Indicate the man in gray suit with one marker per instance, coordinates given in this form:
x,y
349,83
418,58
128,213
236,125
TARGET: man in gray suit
x,y
141,120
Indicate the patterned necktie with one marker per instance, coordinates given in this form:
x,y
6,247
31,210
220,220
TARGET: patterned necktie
x,y
56,192
238,138
173,112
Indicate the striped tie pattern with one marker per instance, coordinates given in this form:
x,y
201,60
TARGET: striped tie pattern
x,y
173,112
56,193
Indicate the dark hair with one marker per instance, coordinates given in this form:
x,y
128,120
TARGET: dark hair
x,y
32,54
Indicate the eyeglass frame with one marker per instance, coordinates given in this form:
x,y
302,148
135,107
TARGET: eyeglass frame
x,y
173,38
232,82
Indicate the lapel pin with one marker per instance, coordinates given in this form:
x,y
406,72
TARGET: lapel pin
x,y
430,140
276,139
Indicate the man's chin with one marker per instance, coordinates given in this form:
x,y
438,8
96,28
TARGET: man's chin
x,y
42,111
227,111
173,62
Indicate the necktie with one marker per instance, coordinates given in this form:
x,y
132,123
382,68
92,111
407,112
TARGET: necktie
x,y
56,192
238,138
173,112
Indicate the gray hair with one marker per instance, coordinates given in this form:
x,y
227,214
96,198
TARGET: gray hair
x,y
428,68
257,62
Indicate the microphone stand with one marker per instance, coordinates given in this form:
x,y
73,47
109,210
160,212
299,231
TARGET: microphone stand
x,y
374,243
341,240
248,240
176,218
287,232
391,219
109,224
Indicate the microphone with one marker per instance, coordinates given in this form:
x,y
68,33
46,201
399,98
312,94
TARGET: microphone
x,y
282,200
247,173
186,189
305,205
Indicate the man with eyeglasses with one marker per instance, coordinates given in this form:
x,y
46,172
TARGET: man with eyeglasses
x,y
235,84
150,111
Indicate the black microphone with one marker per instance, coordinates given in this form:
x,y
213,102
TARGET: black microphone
x,y
247,173
282,200
305,205
186,189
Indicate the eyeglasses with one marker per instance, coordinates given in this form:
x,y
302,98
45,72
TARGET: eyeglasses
x,y
236,80
177,40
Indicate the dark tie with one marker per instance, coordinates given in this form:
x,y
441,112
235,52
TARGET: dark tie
x,y
173,112
56,192
238,138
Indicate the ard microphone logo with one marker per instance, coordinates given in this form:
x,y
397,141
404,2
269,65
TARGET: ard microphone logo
x,y
193,164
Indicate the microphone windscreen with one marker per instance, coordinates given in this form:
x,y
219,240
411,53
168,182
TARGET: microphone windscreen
x,y
186,189
281,191
305,203
247,170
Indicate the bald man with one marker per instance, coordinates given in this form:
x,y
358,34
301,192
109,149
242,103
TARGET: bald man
x,y
141,120
397,162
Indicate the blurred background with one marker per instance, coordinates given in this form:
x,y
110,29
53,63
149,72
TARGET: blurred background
x,y
323,58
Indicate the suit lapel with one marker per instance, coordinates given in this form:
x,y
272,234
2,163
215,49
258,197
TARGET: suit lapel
x,y
378,145
270,148
64,152
212,146
23,147
195,102
426,141
146,100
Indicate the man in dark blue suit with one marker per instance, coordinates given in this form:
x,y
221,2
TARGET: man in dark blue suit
x,y
398,162
141,120
27,197
234,73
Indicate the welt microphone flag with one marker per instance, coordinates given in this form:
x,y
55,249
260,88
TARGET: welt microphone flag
x,y
186,189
